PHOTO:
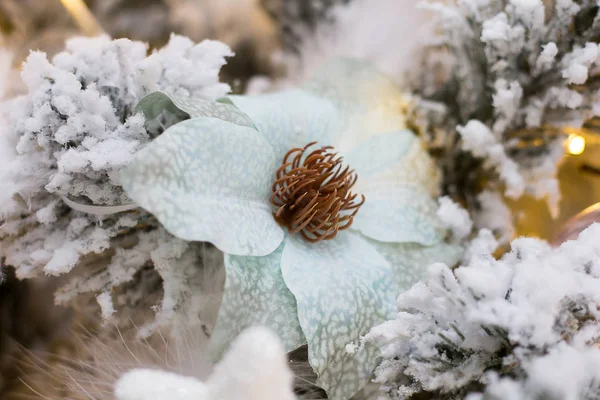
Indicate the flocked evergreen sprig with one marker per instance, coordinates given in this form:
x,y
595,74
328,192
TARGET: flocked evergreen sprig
x,y
62,146
517,324
497,88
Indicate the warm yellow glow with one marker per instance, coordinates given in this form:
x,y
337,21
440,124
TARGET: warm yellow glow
x,y
576,144
83,16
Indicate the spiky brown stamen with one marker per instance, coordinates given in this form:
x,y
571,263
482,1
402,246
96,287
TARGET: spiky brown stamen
x,y
313,194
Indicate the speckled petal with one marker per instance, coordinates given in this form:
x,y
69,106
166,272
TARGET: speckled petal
x,y
343,288
156,103
399,213
395,158
289,119
398,180
409,261
255,294
368,102
208,180
379,154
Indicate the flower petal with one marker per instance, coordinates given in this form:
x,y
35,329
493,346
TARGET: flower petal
x,y
398,179
367,101
394,158
399,213
343,287
208,180
255,294
380,153
289,119
154,104
409,261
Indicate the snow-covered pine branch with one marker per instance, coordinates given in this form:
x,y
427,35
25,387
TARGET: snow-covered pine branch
x,y
526,318
498,86
65,140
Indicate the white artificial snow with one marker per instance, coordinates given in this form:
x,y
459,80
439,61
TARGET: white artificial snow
x,y
494,214
504,37
478,139
106,305
484,244
533,309
8,143
351,348
78,114
566,7
566,373
506,101
511,66
547,58
67,137
254,368
170,68
8,187
542,178
538,180
579,62
454,217
530,12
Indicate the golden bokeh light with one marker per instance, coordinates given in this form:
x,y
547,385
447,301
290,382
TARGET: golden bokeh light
x,y
576,144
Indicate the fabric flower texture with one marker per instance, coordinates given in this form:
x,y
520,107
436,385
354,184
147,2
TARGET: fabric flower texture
x,y
262,178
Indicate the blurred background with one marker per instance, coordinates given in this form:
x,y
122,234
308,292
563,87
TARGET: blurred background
x,y
579,178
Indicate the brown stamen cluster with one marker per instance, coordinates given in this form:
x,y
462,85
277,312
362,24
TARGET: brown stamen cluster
x,y
313,195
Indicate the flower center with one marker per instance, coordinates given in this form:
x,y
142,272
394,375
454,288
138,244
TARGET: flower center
x,y
312,193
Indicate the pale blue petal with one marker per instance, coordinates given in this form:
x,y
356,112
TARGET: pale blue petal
x,y
368,102
399,213
343,288
380,153
208,180
414,168
154,104
398,180
409,261
289,119
255,294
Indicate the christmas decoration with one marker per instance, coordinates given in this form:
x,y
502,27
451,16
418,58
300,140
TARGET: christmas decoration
x,y
523,318
65,143
498,91
210,178
299,199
